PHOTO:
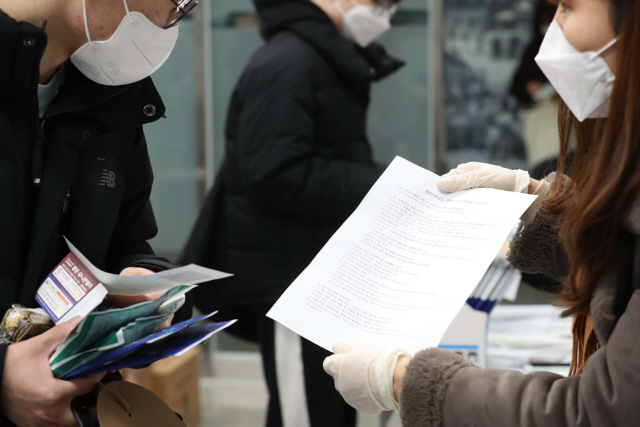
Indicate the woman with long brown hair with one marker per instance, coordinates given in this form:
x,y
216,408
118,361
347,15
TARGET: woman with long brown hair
x,y
584,230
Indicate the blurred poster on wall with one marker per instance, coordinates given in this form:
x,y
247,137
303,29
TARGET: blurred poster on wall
x,y
483,44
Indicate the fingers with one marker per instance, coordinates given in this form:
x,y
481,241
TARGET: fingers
x,y
471,175
135,271
166,324
450,174
59,417
331,366
79,386
93,413
50,340
121,301
332,363
458,179
464,168
448,185
470,167
66,418
155,295
341,348
328,364
454,183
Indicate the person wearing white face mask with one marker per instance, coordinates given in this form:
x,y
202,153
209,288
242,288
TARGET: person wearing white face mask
x,y
74,95
583,230
297,163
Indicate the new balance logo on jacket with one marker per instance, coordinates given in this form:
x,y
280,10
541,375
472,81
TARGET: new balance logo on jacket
x,y
108,178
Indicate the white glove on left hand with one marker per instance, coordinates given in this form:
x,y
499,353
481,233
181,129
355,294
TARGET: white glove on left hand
x,y
482,175
363,375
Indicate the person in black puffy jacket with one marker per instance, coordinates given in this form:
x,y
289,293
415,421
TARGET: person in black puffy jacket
x,y
74,163
298,162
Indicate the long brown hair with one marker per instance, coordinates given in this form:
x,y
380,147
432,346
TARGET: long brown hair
x,y
605,173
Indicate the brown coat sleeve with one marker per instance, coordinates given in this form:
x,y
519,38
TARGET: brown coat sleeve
x,y
440,389
535,247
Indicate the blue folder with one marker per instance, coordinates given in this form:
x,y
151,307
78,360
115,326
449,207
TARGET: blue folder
x,y
167,342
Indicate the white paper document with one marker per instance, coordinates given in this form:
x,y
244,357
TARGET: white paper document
x,y
400,268
138,285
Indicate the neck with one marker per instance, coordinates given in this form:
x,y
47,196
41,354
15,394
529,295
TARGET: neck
x,y
63,32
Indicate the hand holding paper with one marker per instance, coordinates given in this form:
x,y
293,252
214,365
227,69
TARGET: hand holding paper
x,y
145,284
75,287
128,300
482,175
400,268
148,305
363,375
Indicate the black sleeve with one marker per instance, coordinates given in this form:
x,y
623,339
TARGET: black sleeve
x,y
137,224
136,221
275,147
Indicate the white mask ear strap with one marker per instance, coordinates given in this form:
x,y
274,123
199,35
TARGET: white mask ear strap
x,y
339,7
86,24
611,43
126,8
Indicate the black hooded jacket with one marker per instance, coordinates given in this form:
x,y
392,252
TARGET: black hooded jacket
x,y
90,155
298,160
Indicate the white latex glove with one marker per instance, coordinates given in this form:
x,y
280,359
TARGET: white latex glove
x,y
482,175
363,375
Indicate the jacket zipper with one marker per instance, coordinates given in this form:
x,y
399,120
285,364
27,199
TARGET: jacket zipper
x,y
38,154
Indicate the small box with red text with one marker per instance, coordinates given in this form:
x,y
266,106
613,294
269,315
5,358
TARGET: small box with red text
x,y
70,290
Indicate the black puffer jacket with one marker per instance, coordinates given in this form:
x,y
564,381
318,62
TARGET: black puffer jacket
x,y
91,156
298,159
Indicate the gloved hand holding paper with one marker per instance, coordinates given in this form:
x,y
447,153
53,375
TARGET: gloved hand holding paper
x,y
400,268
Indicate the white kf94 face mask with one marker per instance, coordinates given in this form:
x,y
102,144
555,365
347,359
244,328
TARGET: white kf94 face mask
x,y
364,23
136,50
582,79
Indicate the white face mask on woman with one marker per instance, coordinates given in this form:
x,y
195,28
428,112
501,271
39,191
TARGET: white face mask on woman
x,y
136,50
364,23
582,79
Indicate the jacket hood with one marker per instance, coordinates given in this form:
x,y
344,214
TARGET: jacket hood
x,y
276,15
309,22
